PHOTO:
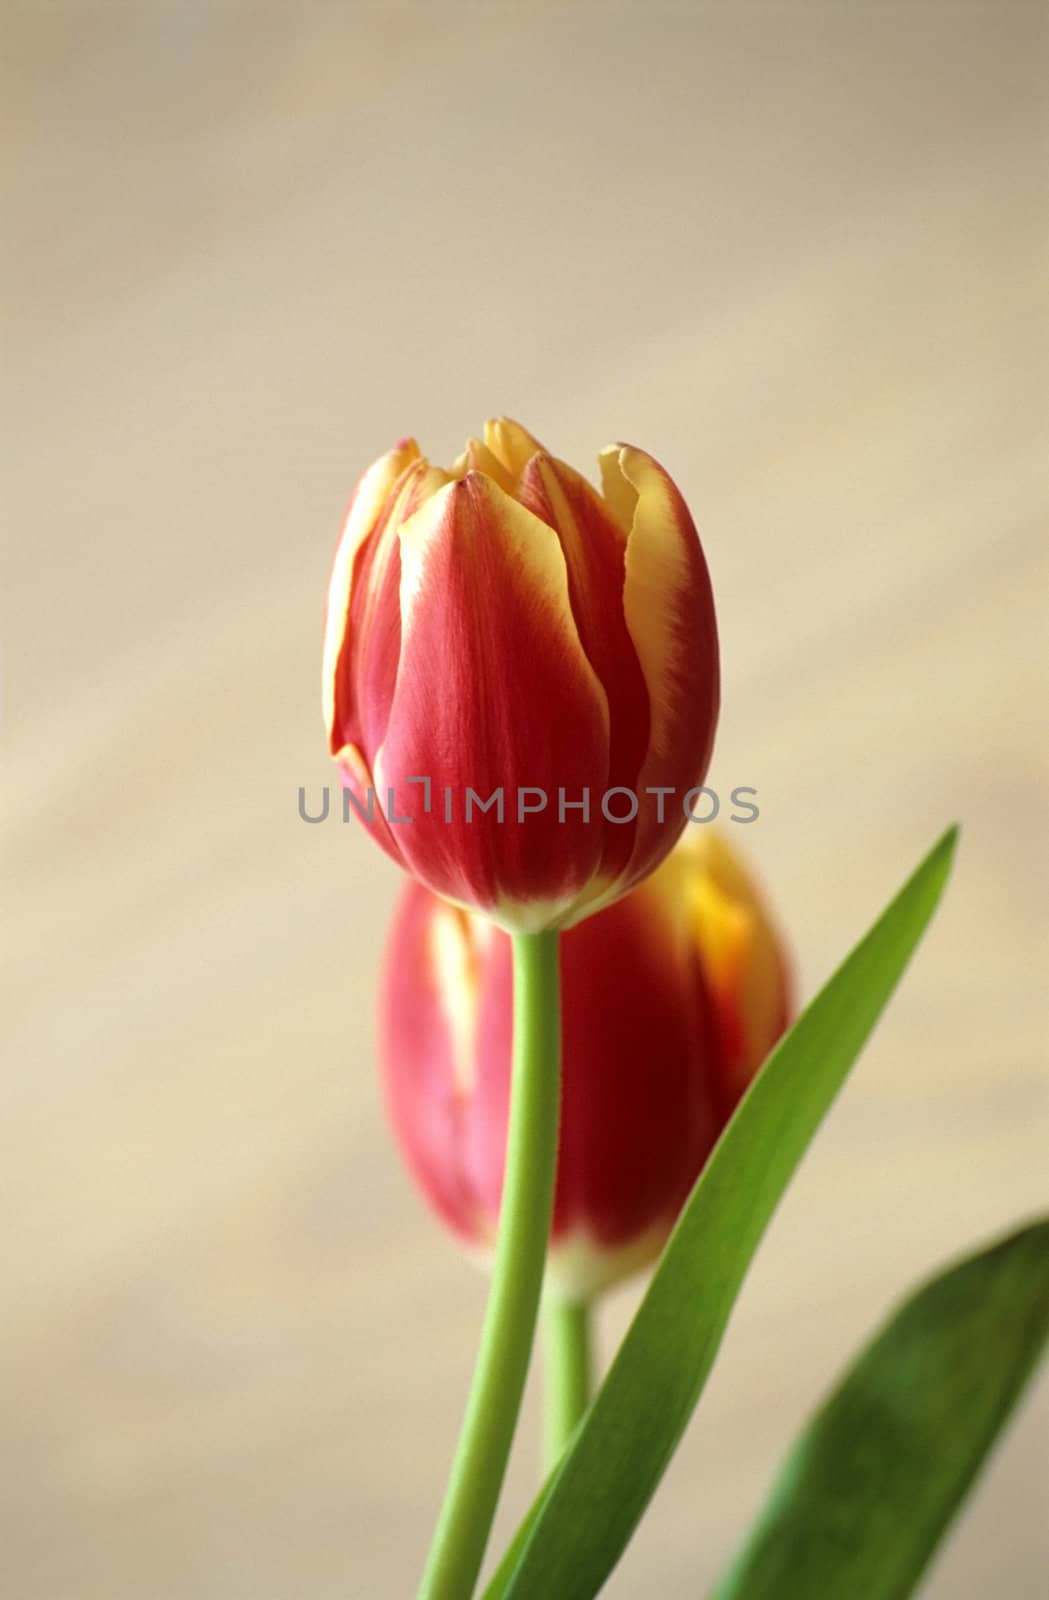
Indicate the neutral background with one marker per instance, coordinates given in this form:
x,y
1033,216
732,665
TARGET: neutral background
x,y
799,252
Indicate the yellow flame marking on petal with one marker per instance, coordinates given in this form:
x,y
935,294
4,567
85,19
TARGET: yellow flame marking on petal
x,y
619,495
513,445
656,570
724,931
478,458
738,943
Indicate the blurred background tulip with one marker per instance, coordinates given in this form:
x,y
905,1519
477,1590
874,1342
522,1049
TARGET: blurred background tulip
x,y
671,999
520,673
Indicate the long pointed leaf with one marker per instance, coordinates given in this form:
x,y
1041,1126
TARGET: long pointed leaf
x,y
877,1475
610,1472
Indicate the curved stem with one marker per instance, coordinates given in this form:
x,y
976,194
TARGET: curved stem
x,y
499,1376
566,1373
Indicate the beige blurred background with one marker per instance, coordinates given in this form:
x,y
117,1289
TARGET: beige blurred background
x,y
800,252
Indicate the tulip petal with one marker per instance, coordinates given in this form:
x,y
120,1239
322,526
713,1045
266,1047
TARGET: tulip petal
x,y
478,458
719,913
594,548
513,445
363,802
638,1110
488,644
669,609
362,514
744,959
367,670
375,605
427,1106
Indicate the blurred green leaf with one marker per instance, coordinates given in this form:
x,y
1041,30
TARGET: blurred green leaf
x,y
874,1480
585,1517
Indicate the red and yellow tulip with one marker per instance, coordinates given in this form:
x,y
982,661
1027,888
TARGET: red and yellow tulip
x,y
501,628
671,999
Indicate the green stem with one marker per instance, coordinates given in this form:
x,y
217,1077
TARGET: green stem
x,y
499,1376
567,1373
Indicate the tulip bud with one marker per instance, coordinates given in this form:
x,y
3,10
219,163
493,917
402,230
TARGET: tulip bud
x,y
521,674
670,1000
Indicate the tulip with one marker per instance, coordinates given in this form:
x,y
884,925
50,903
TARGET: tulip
x,y
671,999
520,673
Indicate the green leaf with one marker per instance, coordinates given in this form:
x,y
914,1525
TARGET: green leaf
x,y
599,1492
879,1472
496,1587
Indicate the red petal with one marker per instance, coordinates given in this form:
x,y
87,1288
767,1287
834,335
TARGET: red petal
x,y
669,608
594,548
428,1105
368,506
493,691
639,1117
